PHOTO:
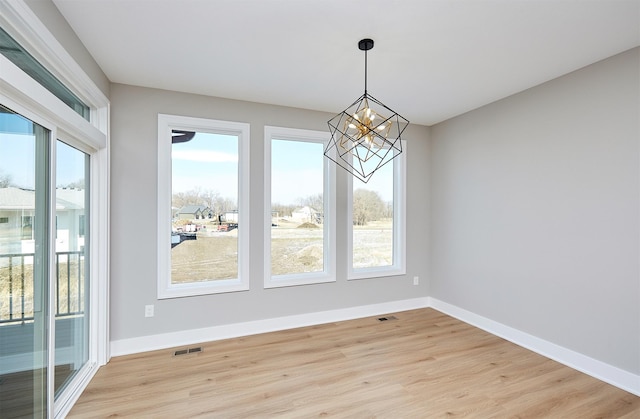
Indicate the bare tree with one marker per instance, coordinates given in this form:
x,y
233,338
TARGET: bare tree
x,y
228,204
5,180
282,210
367,206
312,201
388,211
211,199
208,198
78,184
181,199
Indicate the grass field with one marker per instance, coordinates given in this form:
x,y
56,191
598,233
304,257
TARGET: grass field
x,y
214,256
293,250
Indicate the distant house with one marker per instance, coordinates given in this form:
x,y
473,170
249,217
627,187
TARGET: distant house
x,y
70,218
306,215
230,217
17,215
194,212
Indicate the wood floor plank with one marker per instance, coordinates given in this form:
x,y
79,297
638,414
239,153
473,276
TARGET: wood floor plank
x,y
423,364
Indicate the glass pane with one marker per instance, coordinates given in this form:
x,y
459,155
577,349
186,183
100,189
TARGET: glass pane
x,y
25,61
71,264
373,219
204,192
297,205
23,266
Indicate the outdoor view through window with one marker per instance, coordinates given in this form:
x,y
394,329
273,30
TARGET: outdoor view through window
x,y
205,220
297,207
372,205
204,207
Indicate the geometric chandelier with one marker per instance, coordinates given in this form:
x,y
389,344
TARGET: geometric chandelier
x,y
367,134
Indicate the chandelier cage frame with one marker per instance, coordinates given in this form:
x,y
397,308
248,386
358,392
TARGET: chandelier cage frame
x,y
363,139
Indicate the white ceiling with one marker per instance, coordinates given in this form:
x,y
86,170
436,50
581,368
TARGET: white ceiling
x,y
432,59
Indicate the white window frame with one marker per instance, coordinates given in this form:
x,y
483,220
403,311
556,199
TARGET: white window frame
x,y
329,200
167,123
399,225
24,95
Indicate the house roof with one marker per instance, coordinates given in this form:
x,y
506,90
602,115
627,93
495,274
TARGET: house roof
x,y
305,210
191,209
12,198
70,198
16,198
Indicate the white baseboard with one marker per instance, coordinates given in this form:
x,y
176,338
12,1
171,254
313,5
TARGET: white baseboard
x,y
597,369
189,337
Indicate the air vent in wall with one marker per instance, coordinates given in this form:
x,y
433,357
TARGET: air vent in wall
x,y
187,351
384,319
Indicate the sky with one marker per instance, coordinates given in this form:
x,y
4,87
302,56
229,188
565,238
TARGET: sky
x,y
296,170
18,154
209,162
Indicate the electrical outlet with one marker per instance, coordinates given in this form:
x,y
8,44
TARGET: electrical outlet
x,y
148,310
416,280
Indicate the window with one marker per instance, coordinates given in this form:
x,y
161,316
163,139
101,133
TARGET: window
x,y
34,272
55,327
72,264
299,208
376,215
4,220
203,206
27,227
25,61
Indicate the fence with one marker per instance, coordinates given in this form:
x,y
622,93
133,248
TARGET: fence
x,y
17,286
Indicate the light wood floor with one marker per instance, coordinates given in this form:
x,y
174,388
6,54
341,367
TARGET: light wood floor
x,y
424,364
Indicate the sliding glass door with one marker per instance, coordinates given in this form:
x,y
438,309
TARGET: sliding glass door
x,y
24,266
71,265
54,245
44,266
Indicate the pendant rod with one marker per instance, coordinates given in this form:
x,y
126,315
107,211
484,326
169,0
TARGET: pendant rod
x,y
365,71
365,45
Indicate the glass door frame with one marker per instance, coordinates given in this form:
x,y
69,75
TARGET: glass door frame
x,y
29,337
48,178
25,96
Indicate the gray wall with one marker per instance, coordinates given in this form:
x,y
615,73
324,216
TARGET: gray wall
x,y
535,211
133,221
